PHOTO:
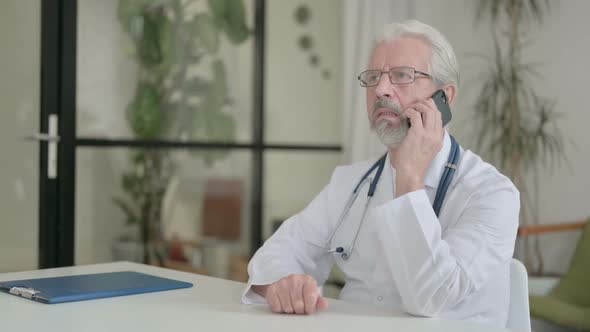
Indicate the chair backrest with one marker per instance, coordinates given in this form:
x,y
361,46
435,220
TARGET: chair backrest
x,y
573,288
518,313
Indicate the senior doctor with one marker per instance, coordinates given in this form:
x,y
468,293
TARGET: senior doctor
x,y
397,251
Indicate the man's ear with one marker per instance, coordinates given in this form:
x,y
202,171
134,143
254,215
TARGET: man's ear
x,y
451,92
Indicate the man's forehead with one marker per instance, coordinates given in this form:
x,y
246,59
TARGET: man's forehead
x,y
402,51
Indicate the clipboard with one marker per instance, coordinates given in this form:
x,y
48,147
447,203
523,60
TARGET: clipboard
x,y
89,286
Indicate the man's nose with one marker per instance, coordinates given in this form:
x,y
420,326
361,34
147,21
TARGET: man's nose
x,y
385,89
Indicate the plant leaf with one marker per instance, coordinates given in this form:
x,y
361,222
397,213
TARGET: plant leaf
x,y
230,16
204,28
143,113
235,28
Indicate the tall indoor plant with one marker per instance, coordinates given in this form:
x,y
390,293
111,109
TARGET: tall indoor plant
x,y
516,127
170,38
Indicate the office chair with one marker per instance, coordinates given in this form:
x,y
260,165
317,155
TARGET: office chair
x,y
518,313
568,304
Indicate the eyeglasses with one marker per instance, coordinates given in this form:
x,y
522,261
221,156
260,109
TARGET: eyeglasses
x,y
397,75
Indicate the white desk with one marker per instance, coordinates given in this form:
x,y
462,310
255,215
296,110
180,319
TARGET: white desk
x,y
210,305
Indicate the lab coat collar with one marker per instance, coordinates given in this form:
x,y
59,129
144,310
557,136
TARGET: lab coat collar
x,y
436,168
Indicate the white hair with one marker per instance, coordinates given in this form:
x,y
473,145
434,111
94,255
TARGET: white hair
x,y
444,68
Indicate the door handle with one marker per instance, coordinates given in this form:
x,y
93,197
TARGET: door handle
x,y
43,137
52,138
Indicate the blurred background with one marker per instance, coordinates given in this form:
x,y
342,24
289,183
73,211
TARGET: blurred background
x,y
182,133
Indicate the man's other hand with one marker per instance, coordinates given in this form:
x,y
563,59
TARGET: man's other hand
x,y
295,294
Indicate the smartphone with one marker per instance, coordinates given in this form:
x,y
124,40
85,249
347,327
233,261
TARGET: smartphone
x,y
442,103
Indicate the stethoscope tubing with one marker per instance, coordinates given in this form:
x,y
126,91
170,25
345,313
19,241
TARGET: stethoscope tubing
x,y
444,183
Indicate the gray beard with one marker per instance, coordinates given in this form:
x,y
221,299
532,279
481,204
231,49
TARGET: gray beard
x,y
389,136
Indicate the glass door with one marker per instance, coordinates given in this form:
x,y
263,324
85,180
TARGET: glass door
x,y
164,108
162,152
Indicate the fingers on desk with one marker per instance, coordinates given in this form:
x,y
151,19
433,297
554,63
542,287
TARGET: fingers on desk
x,y
297,294
273,300
322,303
310,296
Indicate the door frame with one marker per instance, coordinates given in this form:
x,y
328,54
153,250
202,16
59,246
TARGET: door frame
x,y
58,96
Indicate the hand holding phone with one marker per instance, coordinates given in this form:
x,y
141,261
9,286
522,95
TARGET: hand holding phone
x,y
415,154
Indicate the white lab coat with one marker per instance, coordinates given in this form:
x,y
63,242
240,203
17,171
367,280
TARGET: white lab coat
x,y
454,266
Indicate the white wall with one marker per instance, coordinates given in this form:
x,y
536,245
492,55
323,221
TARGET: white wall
x,y
19,117
301,106
561,46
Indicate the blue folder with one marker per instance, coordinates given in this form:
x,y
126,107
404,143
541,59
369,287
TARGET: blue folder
x,y
89,286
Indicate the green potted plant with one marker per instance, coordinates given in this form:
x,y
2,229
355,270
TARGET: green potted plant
x,y
515,126
169,37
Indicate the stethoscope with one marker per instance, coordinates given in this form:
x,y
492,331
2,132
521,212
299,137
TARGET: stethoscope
x,y
443,186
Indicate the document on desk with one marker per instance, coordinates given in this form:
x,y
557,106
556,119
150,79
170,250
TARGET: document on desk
x,y
89,286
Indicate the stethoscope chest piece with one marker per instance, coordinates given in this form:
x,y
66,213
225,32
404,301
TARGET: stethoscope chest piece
x,y
340,250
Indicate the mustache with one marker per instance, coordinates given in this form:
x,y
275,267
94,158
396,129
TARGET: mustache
x,y
386,103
